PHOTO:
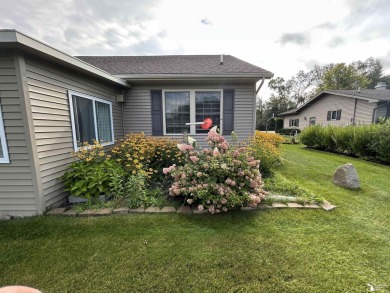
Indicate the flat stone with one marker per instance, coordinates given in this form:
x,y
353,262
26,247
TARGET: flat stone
x,y
168,209
70,213
294,205
328,206
5,217
346,176
200,212
311,206
248,208
121,211
137,210
152,210
87,213
104,212
57,211
184,210
279,205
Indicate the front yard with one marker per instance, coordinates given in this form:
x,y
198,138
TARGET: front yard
x,y
289,250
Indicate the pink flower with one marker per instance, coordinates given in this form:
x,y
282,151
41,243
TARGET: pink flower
x,y
224,209
216,152
190,200
200,207
199,174
194,159
184,147
224,200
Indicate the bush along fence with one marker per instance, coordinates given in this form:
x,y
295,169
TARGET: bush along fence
x,y
141,171
369,142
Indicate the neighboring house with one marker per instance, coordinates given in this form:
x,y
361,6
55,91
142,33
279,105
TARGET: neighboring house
x,y
340,108
50,102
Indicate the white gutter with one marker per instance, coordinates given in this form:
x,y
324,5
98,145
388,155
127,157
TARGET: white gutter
x,y
15,39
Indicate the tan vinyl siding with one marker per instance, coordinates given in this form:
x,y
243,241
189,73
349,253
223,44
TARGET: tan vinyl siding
x,y
48,87
364,112
17,195
137,107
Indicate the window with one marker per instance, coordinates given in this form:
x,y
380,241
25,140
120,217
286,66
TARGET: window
x,y
91,120
293,122
312,121
334,115
208,105
4,158
181,107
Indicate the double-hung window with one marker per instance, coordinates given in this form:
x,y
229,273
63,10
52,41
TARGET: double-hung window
x,y
189,106
293,123
91,120
4,158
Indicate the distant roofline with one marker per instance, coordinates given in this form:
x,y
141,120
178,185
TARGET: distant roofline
x,y
297,110
10,38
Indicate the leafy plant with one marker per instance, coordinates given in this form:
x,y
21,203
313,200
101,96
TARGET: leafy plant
x,y
266,148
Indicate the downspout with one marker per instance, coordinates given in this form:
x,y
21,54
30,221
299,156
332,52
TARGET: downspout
x,y
260,85
123,122
254,102
354,113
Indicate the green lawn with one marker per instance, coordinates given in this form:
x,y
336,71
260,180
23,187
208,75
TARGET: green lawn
x,y
267,251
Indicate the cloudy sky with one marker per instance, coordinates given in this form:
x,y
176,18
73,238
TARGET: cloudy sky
x,y
278,35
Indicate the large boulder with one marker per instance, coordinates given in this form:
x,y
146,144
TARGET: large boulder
x,y
346,176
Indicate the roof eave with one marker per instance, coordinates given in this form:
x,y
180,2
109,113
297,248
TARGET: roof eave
x,y
146,77
15,40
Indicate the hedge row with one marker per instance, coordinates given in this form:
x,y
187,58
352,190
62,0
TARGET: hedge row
x,y
370,142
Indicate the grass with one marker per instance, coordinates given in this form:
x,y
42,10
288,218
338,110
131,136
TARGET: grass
x,y
287,250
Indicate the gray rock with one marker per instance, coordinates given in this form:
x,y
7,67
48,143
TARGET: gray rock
x,y
346,176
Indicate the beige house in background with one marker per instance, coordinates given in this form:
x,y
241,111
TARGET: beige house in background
x,y
51,101
340,108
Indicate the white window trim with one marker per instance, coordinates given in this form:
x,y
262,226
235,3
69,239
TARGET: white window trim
x,y
70,95
192,109
4,147
331,115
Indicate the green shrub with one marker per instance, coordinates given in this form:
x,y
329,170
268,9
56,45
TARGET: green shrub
x,y
311,136
370,142
383,142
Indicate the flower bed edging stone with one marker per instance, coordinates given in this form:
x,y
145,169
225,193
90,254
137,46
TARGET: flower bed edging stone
x,y
181,210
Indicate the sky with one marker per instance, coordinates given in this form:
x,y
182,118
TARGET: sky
x,y
279,35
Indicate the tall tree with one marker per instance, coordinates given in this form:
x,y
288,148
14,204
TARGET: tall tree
x,y
343,77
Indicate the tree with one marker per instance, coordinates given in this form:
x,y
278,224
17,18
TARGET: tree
x,y
343,77
373,70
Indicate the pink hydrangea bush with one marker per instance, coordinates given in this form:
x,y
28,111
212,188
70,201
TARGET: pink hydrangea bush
x,y
219,178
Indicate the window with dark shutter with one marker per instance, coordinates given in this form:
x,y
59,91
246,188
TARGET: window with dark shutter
x,y
328,117
338,115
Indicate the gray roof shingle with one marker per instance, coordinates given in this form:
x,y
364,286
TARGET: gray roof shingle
x,y
175,64
382,95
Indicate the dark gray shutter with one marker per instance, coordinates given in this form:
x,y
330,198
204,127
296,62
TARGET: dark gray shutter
x,y
228,112
329,115
157,112
338,115
289,122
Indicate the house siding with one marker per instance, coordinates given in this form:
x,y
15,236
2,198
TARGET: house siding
x,y
320,108
17,188
48,87
137,108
